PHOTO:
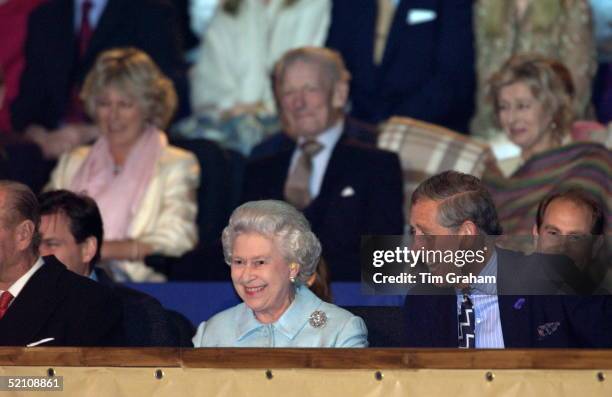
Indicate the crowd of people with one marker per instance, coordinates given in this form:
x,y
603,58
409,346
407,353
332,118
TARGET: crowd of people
x,y
99,98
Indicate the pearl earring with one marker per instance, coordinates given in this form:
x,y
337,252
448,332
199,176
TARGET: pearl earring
x,y
292,267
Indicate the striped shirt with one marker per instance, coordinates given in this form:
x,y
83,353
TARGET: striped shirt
x,y
488,327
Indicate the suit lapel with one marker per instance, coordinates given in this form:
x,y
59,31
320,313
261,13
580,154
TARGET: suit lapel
x,y
331,181
33,306
65,41
399,20
514,314
336,167
281,173
514,311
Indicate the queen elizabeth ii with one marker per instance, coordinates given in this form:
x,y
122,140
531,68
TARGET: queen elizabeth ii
x,y
272,252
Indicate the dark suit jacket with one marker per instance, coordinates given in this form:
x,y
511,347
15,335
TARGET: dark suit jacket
x,y
427,70
339,220
57,303
145,321
527,321
51,66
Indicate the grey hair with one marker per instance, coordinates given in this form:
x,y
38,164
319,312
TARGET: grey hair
x,y
330,61
22,205
287,226
463,198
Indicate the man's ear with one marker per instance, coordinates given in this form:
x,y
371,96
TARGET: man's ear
x,y
24,233
468,228
340,95
535,232
89,248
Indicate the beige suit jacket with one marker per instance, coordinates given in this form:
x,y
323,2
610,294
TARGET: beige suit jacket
x,y
166,219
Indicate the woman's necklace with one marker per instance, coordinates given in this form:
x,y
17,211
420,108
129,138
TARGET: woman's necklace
x,y
117,169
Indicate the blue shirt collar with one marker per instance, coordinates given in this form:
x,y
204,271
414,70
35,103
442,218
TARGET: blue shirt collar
x,y
329,137
490,269
289,324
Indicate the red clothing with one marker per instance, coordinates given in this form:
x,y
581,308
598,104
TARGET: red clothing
x,y
13,29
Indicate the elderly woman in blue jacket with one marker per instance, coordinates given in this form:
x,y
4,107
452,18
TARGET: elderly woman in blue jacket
x,y
272,252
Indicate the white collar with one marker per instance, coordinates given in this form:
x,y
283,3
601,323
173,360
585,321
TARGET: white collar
x,y
329,137
18,285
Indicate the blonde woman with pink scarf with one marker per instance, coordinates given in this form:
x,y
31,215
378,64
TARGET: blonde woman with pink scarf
x,y
145,188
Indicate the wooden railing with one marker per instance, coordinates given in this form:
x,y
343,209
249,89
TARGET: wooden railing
x,y
320,372
308,358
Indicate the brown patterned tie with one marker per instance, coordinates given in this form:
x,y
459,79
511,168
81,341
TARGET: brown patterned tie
x,y
5,301
297,186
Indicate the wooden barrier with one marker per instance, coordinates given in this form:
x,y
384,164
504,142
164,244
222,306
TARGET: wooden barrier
x,y
320,372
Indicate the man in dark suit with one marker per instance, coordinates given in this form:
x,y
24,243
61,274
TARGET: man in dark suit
x,y
64,38
410,58
72,231
458,205
42,303
346,189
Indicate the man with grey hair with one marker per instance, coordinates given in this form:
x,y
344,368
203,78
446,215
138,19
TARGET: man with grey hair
x,y
453,205
41,302
345,189
335,72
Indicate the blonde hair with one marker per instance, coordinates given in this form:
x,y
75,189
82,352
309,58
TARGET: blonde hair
x,y
548,81
134,73
544,13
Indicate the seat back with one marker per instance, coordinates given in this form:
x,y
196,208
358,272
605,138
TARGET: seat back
x,y
215,194
427,149
384,324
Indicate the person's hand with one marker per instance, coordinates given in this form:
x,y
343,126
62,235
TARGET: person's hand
x,y
36,133
54,143
78,134
40,136
242,109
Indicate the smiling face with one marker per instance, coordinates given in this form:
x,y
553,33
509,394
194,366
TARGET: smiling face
x,y
120,117
310,103
261,276
523,117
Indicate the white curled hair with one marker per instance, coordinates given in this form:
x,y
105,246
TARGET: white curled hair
x,y
288,228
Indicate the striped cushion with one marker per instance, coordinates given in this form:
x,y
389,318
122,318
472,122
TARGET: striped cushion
x,y
427,149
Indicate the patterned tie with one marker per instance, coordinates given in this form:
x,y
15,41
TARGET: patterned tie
x,y
466,323
297,186
5,301
75,112
86,32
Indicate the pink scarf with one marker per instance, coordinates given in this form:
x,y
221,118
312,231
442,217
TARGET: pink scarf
x,y
119,194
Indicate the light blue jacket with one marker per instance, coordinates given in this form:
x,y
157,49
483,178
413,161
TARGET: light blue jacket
x,y
297,327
